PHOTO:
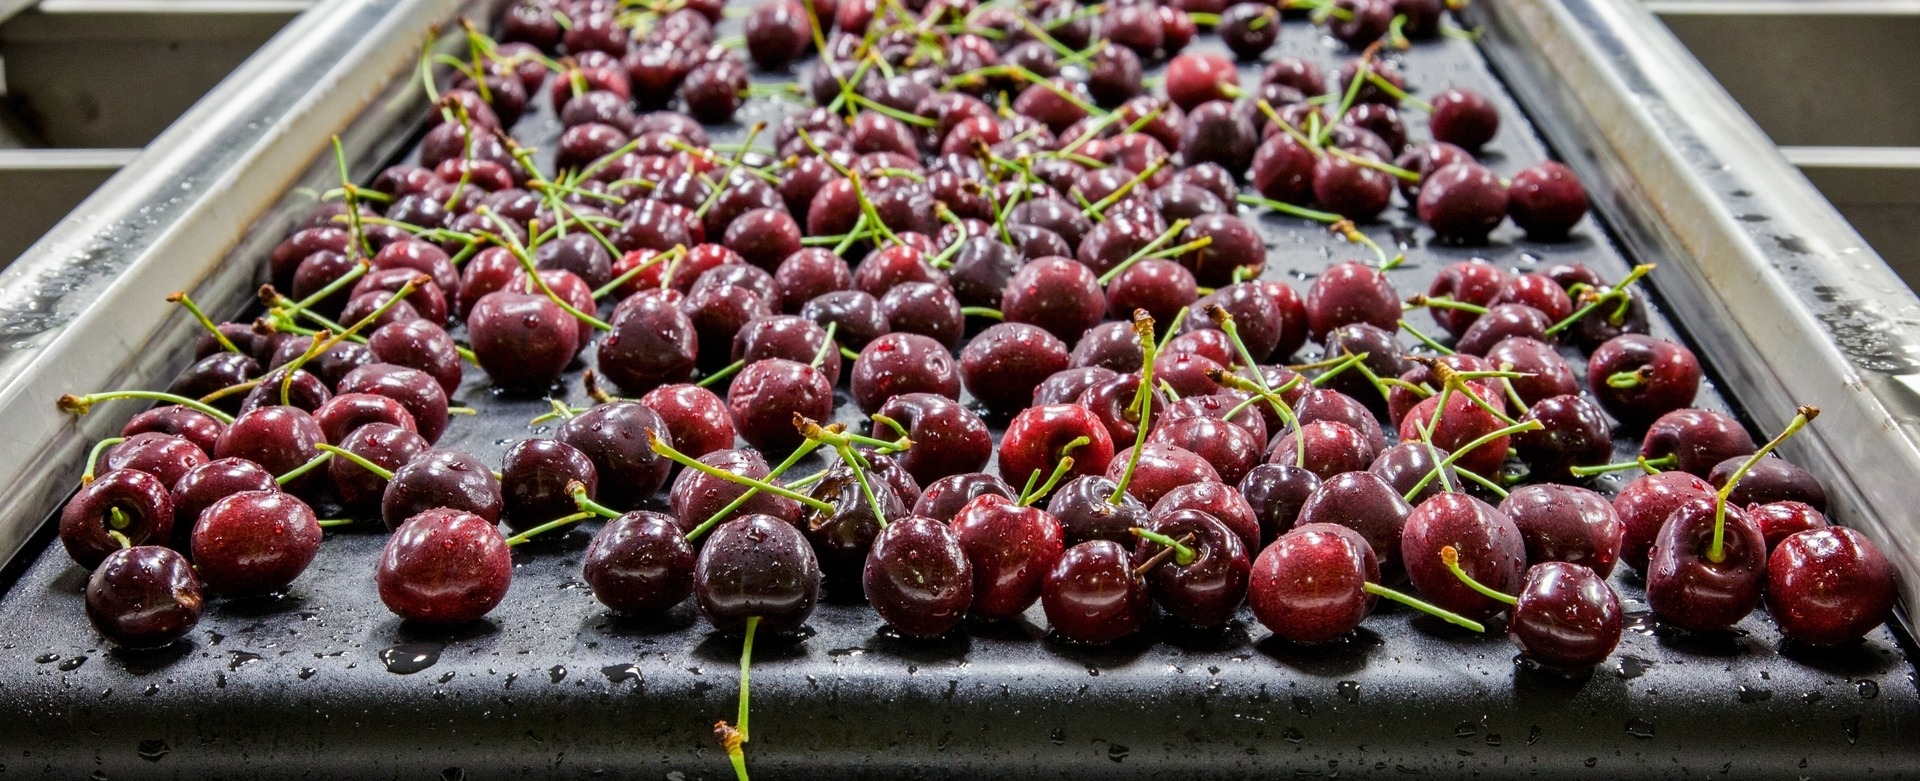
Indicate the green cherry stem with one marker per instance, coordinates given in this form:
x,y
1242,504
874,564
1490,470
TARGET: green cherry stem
x,y
310,465
80,405
746,663
565,520
1183,554
1618,292
1423,606
1142,400
721,373
1290,209
1463,450
187,302
1451,557
1716,552
1141,254
1032,494
799,453
1444,302
585,503
93,457
377,470
1651,466
334,523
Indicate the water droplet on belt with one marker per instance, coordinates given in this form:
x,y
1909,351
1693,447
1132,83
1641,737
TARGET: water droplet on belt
x,y
1751,694
153,750
1868,689
1117,752
73,663
1640,728
241,659
1851,725
1349,691
557,673
621,673
410,658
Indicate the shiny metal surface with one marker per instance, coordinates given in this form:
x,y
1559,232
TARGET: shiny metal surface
x,y
1877,189
83,309
1784,297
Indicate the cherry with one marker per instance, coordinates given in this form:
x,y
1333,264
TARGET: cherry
x,y
790,337
697,496
1011,548
1545,373
807,274
1462,202
756,567
1091,595
413,389
1644,506
254,542
1406,467
199,428
444,567
1546,201
129,503
1232,449
1688,589
203,485
536,480
640,564
303,391
944,497
164,456
767,394
1462,423
1463,118
926,309
1353,389
1573,433
764,237
717,313
1423,160
1566,523
1160,469
948,439
856,315
900,363
1215,133
1365,503
652,342
1351,292
714,90
613,436
918,578
1325,448
1769,480
1249,29
446,479
1038,437
523,341
1282,169
1092,507
1637,378
1494,551
1056,294
842,530
1565,617
1346,186
1695,441
1310,585
143,597
1004,364
1829,586
1276,493
277,438
1195,78
982,266
1474,282
777,34
1780,520
1366,21
1229,406
1217,500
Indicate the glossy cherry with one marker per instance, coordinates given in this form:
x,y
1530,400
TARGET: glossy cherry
x,y
254,542
639,564
444,567
1829,586
143,597
918,578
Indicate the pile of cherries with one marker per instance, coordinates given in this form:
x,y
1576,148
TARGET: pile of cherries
x,y
981,198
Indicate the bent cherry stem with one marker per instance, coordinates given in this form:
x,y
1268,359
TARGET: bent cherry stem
x,y
1716,552
1142,405
1183,554
1450,556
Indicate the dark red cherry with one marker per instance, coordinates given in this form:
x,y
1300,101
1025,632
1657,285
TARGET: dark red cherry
x,y
1696,440
1546,201
386,445
1215,133
714,90
191,425
444,567
441,479
164,456
303,391
842,535
1503,322
254,542
640,564
1091,595
777,34
1383,358
1195,78
1005,363
1220,501
1638,378
1234,248
523,341
652,343
1409,464
948,439
1566,523
756,567
983,265
1057,294
1462,202
1368,505
1087,510
1491,549
1276,492
858,315
1230,448
1463,118
412,388
1566,617
944,498
203,485
898,364
422,345
143,597
145,515
1547,374
1350,189
697,496
1573,433
1037,439
1424,159
1207,590
1249,29
925,309
534,481
1351,292
278,439
1366,21
764,237
807,274
1686,588
1644,506
1011,549
1474,282
695,418
213,373
767,394
1769,480
614,437
918,578
788,337
1161,469
1309,586
1329,449
1282,169
1776,520
1829,586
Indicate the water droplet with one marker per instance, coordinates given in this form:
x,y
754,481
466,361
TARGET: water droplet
x,y
1641,621
307,672
241,659
621,673
410,658
1813,697
1117,752
1591,761
98,775
1851,725
46,658
453,774
447,677
1303,706
557,673
1466,729
854,651
1868,689
152,689
1293,735
1751,694
1493,739
73,663
153,750
1349,691
1632,667
1059,737
1640,728
1533,734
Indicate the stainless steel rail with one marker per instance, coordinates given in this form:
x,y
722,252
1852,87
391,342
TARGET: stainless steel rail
x,y
83,309
1785,298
